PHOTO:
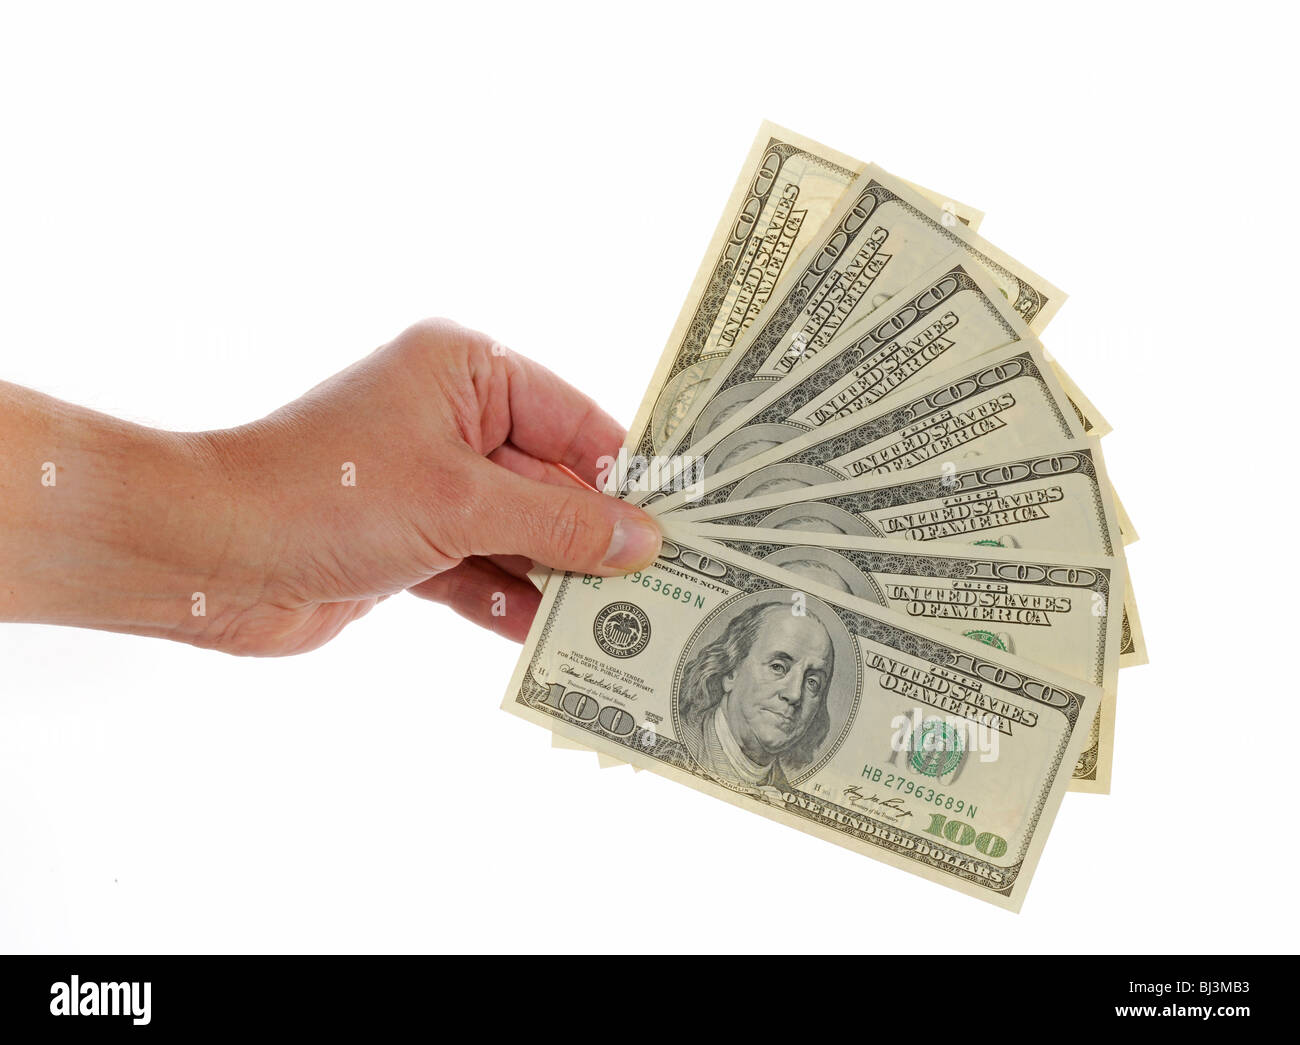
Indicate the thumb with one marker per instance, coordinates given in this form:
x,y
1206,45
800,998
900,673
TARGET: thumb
x,y
566,527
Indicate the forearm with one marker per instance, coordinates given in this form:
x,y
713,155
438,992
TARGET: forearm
x,y
113,525
438,464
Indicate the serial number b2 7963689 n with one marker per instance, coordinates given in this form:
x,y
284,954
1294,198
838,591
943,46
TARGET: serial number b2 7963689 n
x,y
664,587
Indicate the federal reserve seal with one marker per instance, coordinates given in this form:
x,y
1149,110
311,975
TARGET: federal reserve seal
x,y
622,629
937,748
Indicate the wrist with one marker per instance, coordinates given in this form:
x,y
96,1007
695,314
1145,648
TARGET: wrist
x,y
113,525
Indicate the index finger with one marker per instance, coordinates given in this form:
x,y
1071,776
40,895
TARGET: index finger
x,y
552,421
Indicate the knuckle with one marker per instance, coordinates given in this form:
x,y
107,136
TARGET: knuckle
x,y
425,340
454,590
448,505
441,346
432,328
573,534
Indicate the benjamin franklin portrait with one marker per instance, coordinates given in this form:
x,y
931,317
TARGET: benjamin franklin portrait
x,y
757,703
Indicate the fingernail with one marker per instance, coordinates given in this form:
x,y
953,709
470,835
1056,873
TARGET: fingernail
x,y
635,544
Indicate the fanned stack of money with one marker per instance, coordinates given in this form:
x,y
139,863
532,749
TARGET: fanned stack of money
x,y
892,602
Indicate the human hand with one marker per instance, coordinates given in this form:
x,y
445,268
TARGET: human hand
x,y
442,464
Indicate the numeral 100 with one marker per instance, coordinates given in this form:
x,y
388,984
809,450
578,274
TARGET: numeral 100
x,y
585,708
958,832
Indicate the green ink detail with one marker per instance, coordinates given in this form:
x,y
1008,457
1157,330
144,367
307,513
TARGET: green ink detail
x,y
936,748
988,638
992,542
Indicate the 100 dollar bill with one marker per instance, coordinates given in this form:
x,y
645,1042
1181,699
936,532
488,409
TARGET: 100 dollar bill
x,y
1055,499
1010,402
826,712
1063,612
787,187
949,316
880,238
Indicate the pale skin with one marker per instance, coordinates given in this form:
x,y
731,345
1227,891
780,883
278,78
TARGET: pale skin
x,y
469,463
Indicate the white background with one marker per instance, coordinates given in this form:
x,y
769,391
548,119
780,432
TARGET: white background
x,y
204,212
